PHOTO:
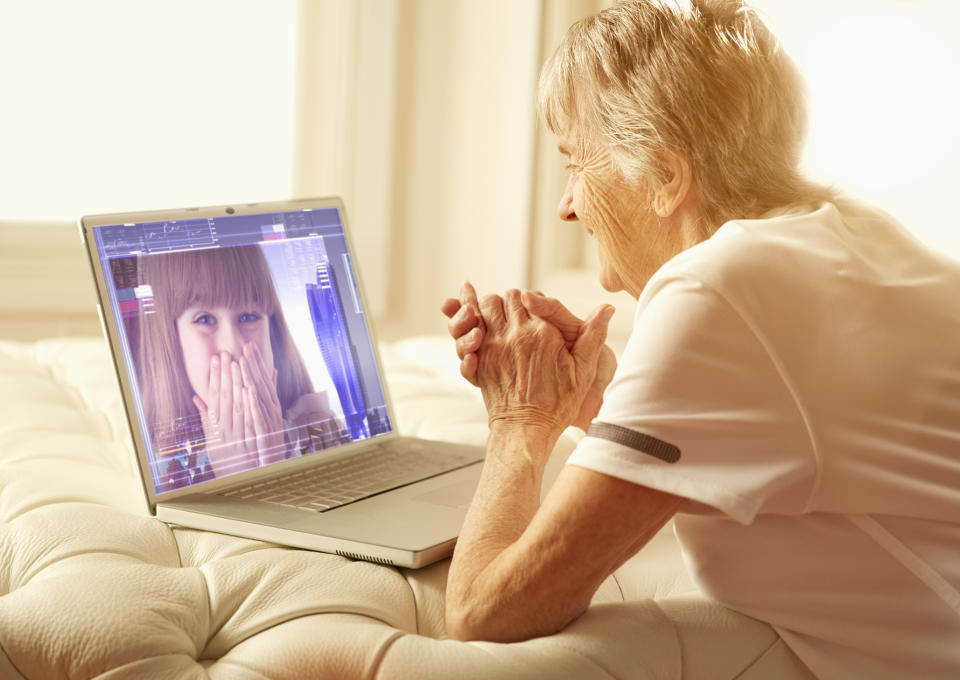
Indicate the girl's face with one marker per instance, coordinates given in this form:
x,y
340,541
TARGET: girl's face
x,y
207,331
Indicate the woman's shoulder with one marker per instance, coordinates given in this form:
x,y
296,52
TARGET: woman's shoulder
x,y
756,268
787,248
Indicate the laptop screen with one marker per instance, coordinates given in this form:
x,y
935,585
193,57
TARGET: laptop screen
x,y
245,340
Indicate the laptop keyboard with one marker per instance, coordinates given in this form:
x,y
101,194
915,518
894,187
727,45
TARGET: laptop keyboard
x,y
335,483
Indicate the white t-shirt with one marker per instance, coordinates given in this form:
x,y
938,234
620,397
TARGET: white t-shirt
x,y
798,379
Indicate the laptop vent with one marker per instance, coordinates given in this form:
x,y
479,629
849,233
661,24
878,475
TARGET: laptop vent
x,y
366,558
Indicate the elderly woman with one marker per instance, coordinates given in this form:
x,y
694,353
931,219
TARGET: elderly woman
x,y
790,392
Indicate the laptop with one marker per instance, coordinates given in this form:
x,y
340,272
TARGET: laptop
x,y
254,389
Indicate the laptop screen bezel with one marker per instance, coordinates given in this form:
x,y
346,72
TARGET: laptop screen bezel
x,y
112,333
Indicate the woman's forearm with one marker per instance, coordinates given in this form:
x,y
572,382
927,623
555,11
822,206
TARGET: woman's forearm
x,y
533,383
506,499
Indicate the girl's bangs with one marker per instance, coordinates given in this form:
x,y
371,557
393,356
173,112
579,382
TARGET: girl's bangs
x,y
237,278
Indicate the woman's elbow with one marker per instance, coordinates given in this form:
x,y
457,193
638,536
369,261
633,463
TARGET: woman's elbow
x,y
457,626
502,625
467,623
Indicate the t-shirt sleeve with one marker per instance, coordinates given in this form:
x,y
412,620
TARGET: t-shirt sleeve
x,y
699,408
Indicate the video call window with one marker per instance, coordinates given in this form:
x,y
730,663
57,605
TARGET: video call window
x,y
245,340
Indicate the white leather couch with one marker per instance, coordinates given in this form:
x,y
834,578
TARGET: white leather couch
x,y
92,586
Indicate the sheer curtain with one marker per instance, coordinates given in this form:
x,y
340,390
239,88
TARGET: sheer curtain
x,y
420,112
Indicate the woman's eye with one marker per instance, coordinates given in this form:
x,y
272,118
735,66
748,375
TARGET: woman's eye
x,y
249,317
205,320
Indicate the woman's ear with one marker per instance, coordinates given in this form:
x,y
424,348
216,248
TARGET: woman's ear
x,y
670,195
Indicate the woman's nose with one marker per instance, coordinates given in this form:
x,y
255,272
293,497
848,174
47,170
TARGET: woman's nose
x,y
230,340
565,207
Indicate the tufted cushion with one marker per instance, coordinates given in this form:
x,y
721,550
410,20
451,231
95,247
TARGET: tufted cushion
x,y
92,586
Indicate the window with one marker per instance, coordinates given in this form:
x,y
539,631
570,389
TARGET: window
x,y
108,104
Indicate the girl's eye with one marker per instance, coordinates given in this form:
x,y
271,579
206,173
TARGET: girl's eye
x,y
205,320
249,317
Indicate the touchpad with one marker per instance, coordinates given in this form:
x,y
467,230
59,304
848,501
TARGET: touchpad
x,y
457,495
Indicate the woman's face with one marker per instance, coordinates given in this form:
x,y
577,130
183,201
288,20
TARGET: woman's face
x,y
630,241
206,331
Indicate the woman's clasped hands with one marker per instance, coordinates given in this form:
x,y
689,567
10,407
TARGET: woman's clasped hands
x,y
242,417
538,366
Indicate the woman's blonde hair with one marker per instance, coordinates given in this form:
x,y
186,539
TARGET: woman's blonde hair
x,y
235,277
703,78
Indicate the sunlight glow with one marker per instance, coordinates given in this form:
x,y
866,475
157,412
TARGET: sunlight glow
x,y
884,85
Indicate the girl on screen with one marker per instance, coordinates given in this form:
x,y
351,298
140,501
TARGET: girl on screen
x,y
224,387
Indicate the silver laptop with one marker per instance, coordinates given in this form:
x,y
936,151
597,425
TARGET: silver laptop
x,y
253,386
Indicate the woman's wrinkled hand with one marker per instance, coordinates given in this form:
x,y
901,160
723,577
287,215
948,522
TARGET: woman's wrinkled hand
x,y
571,326
465,325
528,374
